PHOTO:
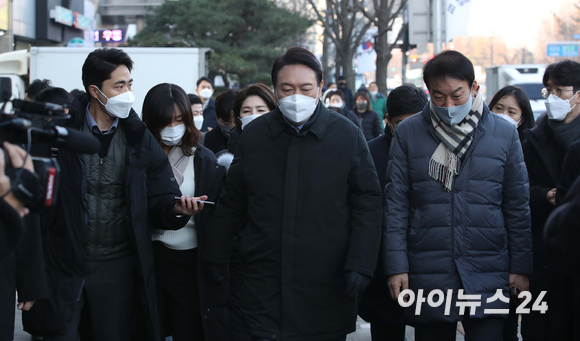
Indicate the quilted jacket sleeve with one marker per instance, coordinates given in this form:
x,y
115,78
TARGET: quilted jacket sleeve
x,y
516,210
396,209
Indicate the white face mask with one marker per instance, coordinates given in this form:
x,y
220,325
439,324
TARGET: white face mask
x,y
170,136
198,121
247,119
120,105
509,119
205,93
558,108
373,93
338,105
298,108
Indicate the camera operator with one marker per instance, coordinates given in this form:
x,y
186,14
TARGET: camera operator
x,y
21,259
97,238
17,156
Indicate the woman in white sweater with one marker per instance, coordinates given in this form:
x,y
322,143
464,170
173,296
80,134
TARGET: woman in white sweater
x,y
168,115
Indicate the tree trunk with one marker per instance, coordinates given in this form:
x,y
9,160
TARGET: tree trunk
x,y
325,57
348,71
383,57
338,66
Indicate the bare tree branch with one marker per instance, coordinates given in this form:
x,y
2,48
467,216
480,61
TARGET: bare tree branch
x,y
361,35
371,18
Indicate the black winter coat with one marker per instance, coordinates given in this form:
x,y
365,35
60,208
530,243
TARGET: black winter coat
x,y
312,206
376,304
544,157
570,171
213,297
150,190
370,124
209,119
470,238
380,148
23,272
215,141
10,229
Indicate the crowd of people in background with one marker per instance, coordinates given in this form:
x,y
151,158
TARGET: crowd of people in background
x,y
283,211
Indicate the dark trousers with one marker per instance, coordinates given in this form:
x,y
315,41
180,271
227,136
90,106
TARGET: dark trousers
x,y
342,338
510,326
177,292
106,300
387,332
485,329
534,324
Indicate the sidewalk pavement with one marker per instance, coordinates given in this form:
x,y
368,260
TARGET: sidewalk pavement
x,y
362,333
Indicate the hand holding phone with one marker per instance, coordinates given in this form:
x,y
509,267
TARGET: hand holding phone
x,y
185,205
197,200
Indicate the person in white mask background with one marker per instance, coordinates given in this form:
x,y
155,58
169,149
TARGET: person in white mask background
x,y
96,237
304,188
336,103
513,104
545,148
249,104
196,110
179,272
205,91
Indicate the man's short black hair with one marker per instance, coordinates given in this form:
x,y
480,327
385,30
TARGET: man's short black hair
x,y
101,63
55,95
405,99
448,64
565,73
224,105
194,99
340,78
204,79
76,93
294,56
34,88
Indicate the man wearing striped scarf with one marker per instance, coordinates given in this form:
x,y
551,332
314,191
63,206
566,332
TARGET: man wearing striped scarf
x,y
457,216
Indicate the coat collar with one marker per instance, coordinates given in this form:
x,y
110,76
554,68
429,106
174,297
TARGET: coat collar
x,y
316,125
134,127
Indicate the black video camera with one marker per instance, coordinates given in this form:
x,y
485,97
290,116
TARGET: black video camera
x,y
34,126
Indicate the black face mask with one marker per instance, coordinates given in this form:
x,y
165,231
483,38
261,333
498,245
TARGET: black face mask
x,y
361,105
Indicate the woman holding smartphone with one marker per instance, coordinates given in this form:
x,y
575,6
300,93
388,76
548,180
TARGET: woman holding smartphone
x,y
179,274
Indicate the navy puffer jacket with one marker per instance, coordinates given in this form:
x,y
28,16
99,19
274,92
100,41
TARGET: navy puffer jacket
x,y
471,238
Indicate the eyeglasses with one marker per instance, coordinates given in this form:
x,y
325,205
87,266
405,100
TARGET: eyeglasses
x,y
556,92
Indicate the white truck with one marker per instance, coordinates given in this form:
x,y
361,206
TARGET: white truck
x,y
63,67
526,76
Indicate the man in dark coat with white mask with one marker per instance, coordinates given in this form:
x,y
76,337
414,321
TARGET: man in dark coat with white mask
x,y
304,181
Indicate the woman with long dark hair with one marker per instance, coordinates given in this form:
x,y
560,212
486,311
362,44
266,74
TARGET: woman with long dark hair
x,y
179,275
513,102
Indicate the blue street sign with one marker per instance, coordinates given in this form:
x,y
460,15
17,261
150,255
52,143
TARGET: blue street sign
x,y
563,50
577,37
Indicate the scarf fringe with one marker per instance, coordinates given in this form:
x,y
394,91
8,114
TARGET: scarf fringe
x,y
445,169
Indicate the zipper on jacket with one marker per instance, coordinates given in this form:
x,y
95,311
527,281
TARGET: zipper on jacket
x,y
98,208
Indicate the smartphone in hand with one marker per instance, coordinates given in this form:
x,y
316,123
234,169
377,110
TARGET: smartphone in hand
x,y
202,201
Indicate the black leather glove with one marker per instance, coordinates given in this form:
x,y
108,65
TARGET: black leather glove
x,y
218,272
356,283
